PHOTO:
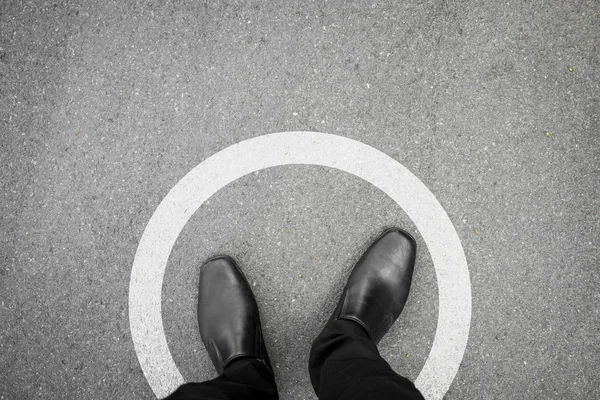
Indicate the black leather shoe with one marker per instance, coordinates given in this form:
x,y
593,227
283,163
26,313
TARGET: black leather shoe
x,y
378,286
228,315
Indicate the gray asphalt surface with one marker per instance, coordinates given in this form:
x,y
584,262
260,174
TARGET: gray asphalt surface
x,y
105,105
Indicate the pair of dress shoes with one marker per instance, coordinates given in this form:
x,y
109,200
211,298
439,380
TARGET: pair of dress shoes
x,y
373,297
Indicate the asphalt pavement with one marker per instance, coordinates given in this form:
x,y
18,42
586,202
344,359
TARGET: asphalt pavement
x,y
105,106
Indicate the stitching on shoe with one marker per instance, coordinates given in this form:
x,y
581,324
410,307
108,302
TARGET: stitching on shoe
x,y
358,321
239,355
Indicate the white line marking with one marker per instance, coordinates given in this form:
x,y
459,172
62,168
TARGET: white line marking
x,y
314,148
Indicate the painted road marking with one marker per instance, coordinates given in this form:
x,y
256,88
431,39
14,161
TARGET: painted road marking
x,y
238,160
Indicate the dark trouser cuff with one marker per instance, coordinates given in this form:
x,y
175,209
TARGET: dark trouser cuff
x,y
345,364
245,378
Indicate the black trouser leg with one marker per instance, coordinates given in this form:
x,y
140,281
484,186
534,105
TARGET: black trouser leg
x,y
246,378
345,364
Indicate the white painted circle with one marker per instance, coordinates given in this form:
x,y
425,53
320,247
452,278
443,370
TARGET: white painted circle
x,y
238,160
